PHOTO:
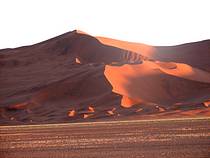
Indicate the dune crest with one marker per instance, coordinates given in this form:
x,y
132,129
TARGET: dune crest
x,y
143,49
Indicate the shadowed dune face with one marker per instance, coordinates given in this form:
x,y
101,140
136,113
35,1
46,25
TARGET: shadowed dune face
x,y
76,77
194,54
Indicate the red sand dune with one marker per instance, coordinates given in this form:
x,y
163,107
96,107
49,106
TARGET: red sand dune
x,y
149,82
195,54
76,77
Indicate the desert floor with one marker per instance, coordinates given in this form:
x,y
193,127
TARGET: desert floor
x,y
174,138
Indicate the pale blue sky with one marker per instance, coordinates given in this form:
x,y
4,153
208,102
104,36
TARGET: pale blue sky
x,y
158,22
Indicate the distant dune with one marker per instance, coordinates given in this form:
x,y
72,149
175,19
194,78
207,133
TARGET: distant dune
x,y
76,77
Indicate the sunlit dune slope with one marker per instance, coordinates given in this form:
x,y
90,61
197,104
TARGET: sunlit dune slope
x,y
150,82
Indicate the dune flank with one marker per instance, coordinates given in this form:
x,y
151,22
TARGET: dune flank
x,y
76,77
149,82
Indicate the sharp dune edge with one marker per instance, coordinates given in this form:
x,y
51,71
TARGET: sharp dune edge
x,y
76,77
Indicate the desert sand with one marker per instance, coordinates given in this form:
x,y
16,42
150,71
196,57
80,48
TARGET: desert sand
x,y
188,137
76,77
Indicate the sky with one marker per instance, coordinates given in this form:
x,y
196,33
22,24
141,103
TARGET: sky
x,y
155,22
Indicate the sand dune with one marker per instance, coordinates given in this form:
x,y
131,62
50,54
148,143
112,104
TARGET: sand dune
x,y
194,54
187,61
148,82
76,77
